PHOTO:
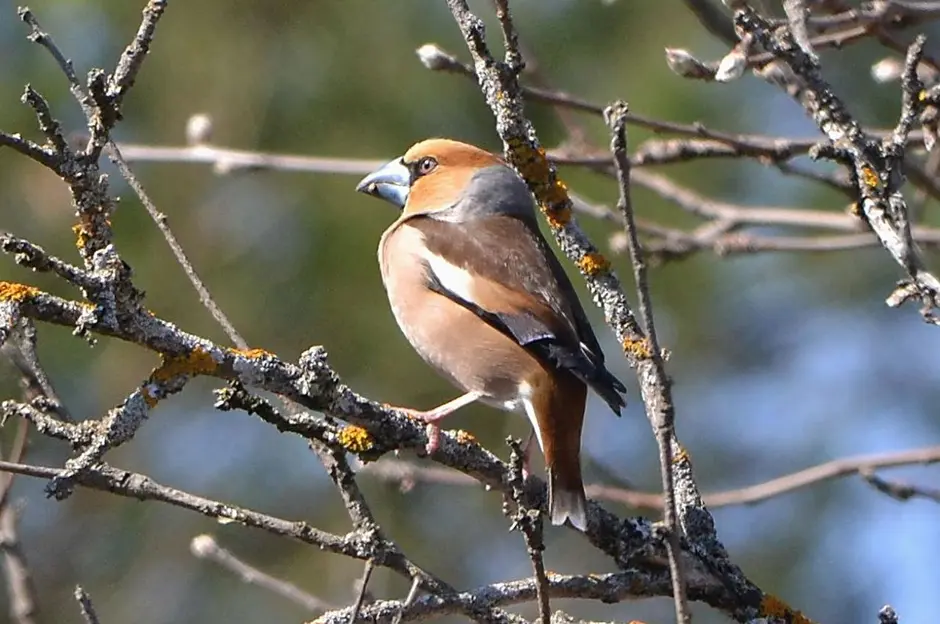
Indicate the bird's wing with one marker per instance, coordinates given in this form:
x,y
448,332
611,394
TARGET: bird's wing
x,y
501,269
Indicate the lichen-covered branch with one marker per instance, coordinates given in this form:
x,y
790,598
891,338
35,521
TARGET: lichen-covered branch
x,y
876,166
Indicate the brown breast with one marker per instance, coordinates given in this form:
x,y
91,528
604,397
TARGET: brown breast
x,y
453,340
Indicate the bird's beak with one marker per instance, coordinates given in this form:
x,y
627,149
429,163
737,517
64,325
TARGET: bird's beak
x,y
390,182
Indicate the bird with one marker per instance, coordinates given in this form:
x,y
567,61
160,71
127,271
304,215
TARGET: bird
x,y
476,290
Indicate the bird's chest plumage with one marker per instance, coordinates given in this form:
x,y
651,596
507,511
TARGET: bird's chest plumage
x,y
469,353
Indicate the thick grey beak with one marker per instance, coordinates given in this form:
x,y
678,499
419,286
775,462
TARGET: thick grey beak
x,y
390,182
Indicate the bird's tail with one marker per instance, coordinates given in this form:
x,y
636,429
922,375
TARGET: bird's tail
x,y
609,388
566,499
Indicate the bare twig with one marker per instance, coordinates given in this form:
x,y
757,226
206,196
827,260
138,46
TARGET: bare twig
x,y
133,485
408,601
658,152
35,257
901,491
37,389
24,608
528,520
797,15
86,606
657,393
205,547
225,160
835,469
363,590
409,474
29,149
160,221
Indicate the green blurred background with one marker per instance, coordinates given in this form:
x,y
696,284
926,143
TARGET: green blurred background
x,y
780,361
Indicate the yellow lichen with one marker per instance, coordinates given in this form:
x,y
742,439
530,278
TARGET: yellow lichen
x,y
681,457
557,217
869,177
637,348
532,164
355,439
922,95
593,264
558,193
550,192
12,291
197,362
81,236
773,607
465,437
252,353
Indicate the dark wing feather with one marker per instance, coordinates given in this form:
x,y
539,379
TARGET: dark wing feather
x,y
512,253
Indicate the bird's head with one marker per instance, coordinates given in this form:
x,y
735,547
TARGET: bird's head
x,y
449,180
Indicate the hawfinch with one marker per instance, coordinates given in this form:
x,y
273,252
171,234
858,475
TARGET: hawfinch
x,y
481,297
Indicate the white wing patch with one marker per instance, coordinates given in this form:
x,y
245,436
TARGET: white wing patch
x,y
455,279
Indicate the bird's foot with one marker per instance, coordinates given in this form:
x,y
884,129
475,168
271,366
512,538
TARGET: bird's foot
x,y
432,430
432,416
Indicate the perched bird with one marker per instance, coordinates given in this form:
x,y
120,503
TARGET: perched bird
x,y
480,296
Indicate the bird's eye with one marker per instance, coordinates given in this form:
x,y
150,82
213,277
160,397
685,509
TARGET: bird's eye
x,y
426,165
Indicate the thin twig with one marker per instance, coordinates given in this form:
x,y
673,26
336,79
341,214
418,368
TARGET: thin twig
x,y
408,601
37,390
659,405
160,220
901,491
835,469
225,160
363,590
527,518
205,547
86,606
24,607
138,486
408,474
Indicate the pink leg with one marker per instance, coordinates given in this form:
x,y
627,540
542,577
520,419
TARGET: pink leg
x,y
432,416
527,455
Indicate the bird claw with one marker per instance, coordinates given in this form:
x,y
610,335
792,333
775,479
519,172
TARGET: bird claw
x,y
431,417
432,431
434,438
